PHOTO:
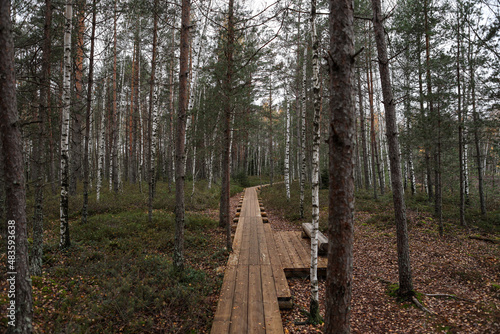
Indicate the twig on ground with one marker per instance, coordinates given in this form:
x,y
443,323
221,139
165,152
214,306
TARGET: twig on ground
x,y
443,295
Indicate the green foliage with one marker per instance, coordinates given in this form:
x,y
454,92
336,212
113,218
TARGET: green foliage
x,y
242,179
118,275
324,178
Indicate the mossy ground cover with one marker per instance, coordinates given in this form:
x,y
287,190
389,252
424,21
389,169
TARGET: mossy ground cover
x,y
117,277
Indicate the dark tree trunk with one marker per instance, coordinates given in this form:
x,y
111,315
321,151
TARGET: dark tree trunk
x,y
180,155
115,114
341,144
18,275
3,227
363,135
87,119
460,132
224,201
405,277
475,116
372,122
429,96
37,252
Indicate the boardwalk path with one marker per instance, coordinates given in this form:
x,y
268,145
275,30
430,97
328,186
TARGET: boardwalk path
x,y
255,285
249,300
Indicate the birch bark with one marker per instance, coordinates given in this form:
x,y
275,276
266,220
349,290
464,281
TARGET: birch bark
x,y
66,100
314,304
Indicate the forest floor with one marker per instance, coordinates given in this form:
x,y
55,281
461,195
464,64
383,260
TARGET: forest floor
x,y
118,277
453,265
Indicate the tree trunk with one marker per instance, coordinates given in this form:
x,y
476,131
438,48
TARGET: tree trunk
x,y
20,308
363,134
475,116
226,155
303,134
37,252
271,171
460,132
180,154
115,113
372,122
405,277
87,119
287,151
439,187
75,173
102,134
341,159
314,304
152,116
429,95
66,104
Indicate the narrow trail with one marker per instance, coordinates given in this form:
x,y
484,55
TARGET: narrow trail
x,y
255,283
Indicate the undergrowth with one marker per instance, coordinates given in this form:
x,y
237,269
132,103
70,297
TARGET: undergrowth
x,y
118,277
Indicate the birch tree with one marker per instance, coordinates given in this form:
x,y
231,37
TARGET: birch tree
x,y
66,99
87,118
102,134
153,114
287,150
314,304
303,133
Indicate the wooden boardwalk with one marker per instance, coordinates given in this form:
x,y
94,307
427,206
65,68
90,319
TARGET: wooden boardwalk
x,y
255,284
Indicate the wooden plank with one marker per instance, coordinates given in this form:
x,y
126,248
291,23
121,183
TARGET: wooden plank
x,y
254,254
322,239
245,244
272,316
256,322
239,314
263,249
294,256
304,253
222,317
238,239
281,284
286,262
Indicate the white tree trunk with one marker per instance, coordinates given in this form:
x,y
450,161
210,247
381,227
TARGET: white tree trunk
x,y
287,152
66,100
303,134
314,305
102,133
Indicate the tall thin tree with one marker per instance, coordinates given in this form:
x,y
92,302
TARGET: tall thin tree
x,y
405,277
314,304
228,109
66,101
37,251
87,118
15,191
341,167
180,154
152,115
